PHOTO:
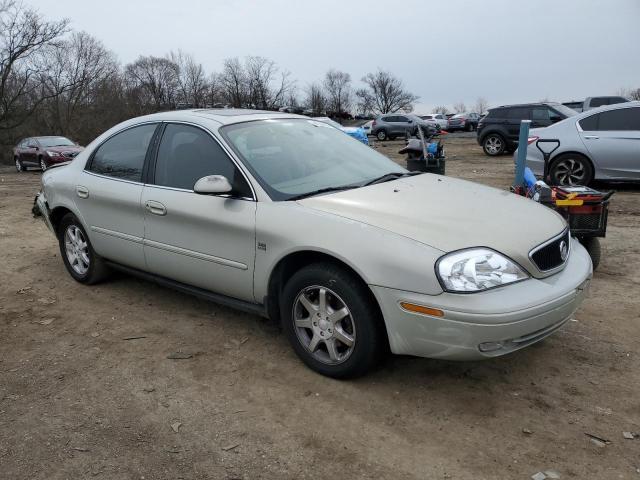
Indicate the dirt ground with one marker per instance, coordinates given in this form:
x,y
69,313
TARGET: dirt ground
x,y
80,399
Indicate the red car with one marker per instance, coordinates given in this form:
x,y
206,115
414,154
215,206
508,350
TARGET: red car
x,y
42,152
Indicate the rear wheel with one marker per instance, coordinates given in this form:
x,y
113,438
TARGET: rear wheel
x,y
19,166
493,145
592,245
469,127
571,169
331,321
381,135
82,262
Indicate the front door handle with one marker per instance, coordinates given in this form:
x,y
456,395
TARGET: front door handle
x,y
82,192
155,207
591,137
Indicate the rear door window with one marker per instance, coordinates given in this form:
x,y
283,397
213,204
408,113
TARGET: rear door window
x,y
589,124
122,156
621,119
519,113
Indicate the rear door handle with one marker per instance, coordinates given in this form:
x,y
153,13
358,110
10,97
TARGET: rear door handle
x,y
82,192
591,137
155,207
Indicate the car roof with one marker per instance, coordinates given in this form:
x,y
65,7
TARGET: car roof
x,y
606,108
536,104
224,116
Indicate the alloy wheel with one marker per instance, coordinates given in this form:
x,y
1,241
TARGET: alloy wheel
x,y
570,172
18,165
493,145
77,250
324,325
382,135
43,165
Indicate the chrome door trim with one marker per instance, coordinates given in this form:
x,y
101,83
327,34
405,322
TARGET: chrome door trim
x,y
191,253
113,233
99,175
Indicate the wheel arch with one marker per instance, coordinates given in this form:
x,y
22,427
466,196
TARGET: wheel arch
x,y
57,214
294,261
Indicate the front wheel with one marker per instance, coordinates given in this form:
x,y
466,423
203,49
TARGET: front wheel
x,y
332,321
494,145
19,166
43,164
82,262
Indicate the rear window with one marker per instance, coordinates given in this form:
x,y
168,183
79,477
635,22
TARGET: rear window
x,y
624,119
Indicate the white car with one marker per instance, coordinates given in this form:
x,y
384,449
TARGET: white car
x,y
287,217
438,118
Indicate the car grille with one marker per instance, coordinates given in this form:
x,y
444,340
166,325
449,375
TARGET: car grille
x,y
549,255
70,154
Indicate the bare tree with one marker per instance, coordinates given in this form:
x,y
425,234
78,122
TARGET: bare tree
x,y
192,83
459,107
24,34
337,85
153,81
630,93
366,104
315,99
75,71
441,109
233,82
481,105
388,93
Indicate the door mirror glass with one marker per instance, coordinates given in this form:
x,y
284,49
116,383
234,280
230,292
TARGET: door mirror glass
x,y
212,184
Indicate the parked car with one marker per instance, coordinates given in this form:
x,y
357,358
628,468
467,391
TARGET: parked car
x,y
356,132
595,102
574,105
392,125
498,131
285,217
464,121
42,152
440,119
601,144
291,109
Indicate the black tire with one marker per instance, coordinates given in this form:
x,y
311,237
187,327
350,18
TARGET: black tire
x,y
592,245
469,127
369,337
97,269
381,135
570,169
19,166
494,144
43,164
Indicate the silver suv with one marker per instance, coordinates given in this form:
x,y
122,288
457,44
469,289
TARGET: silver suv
x,y
394,125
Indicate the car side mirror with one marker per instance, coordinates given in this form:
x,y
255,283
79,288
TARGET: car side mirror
x,y
212,184
33,146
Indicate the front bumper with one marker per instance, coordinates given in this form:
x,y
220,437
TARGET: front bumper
x,y
511,317
41,209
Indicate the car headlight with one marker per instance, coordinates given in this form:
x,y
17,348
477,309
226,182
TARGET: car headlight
x,y
477,269
54,154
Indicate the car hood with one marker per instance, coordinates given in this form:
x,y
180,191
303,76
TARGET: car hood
x,y
65,149
448,214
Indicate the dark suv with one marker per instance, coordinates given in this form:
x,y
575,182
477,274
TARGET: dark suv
x,y
498,130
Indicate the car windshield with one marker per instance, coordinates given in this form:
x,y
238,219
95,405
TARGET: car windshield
x,y
294,157
55,142
563,109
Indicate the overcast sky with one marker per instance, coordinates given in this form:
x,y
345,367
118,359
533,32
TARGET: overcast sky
x,y
445,51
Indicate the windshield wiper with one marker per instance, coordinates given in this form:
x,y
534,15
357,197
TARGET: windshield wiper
x,y
321,190
390,176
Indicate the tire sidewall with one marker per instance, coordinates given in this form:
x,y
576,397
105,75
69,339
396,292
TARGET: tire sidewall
x,y
364,314
381,135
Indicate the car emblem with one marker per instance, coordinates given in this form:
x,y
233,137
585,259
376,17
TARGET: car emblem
x,y
564,250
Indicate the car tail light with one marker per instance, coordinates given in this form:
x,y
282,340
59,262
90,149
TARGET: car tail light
x,y
530,140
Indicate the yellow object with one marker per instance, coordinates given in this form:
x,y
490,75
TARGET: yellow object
x,y
569,203
412,307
